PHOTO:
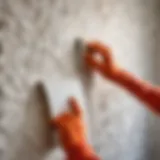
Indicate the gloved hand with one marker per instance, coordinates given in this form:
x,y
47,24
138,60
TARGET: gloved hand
x,y
106,64
107,67
72,133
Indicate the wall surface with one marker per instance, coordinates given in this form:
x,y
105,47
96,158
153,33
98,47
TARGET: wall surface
x,y
36,41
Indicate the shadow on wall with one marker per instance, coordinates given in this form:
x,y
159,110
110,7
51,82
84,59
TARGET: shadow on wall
x,y
37,133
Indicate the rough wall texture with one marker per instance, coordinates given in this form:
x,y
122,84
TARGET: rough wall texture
x,y
36,41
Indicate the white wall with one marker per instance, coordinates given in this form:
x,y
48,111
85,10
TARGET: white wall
x,y
37,41
153,130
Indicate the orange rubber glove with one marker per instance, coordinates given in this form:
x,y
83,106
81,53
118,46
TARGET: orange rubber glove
x,y
144,91
71,131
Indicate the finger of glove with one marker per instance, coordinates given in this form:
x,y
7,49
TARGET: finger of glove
x,y
96,48
74,106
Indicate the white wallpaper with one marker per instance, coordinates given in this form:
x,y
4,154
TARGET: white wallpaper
x,y
36,41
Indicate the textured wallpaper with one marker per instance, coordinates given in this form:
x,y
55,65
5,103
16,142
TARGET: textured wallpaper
x,y
36,42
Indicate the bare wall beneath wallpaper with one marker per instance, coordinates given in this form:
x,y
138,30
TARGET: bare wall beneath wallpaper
x,y
36,41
